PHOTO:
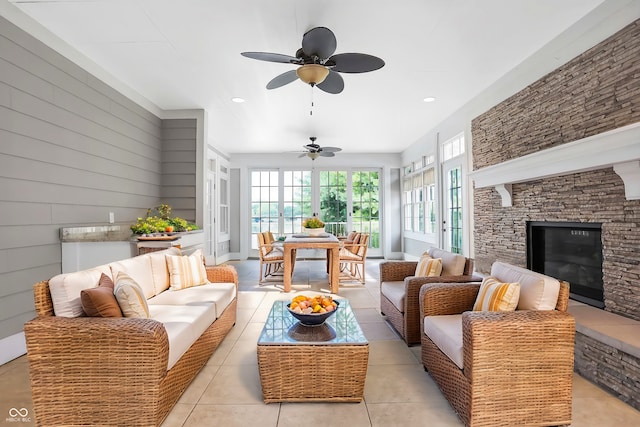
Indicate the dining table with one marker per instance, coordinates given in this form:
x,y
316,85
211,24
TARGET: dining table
x,y
304,241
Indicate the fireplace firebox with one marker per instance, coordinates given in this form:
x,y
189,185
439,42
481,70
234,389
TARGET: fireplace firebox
x,y
570,251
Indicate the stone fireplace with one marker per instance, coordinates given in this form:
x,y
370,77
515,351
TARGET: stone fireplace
x,y
566,149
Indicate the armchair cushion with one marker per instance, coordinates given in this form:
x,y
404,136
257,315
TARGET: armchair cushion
x,y
452,264
428,267
537,291
497,296
446,333
395,293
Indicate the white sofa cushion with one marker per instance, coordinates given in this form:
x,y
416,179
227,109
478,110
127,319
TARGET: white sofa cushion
x,y
66,288
395,292
218,295
159,268
139,268
537,291
184,325
452,264
446,333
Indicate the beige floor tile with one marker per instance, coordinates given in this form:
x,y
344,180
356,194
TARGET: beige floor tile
x,y
199,384
178,415
234,416
412,414
220,354
250,299
400,383
365,315
603,411
379,331
252,332
234,385
391,352
243,353
324,414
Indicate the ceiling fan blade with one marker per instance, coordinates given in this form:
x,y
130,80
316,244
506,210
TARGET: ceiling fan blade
x,y
332,84
327,154
282,79
320,42
272,57
302,155
354,63
331,149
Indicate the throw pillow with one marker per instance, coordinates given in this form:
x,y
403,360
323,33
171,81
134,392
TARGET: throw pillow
x,y
130,297
186,271
100,301
428,267
497,296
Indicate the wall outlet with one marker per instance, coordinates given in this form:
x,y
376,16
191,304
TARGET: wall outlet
x,y
112,217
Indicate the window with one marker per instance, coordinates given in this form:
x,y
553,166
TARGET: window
x,y
453,147
264,203
297,199
430,204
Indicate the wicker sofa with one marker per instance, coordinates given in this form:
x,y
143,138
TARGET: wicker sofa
x,y
501,368
124,370
399,289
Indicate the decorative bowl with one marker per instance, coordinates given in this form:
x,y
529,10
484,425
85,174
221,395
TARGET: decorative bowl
x,y
314,231
313,319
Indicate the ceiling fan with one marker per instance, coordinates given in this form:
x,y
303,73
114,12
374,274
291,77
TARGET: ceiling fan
x,y
313,150
318,66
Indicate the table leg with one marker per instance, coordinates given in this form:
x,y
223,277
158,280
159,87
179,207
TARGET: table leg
x,y
288,253
335,269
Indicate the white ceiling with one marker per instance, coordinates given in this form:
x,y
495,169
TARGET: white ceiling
x,y
185,54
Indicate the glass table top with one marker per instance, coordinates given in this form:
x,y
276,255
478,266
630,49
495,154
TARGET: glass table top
x,y
282,328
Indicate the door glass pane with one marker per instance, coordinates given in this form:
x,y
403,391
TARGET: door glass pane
x,y
454,190
297,200
333,201
264,203
366,205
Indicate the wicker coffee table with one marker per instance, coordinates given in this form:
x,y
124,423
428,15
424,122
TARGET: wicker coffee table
x,y
326,363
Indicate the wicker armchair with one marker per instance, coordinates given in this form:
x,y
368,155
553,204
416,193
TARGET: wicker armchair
x,y
397,277
517,366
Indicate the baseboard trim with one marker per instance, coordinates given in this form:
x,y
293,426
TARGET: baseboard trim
x,y
12,347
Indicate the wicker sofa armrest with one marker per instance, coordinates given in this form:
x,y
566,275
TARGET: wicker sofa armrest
x,y
222,274
394,271
87,350
531,343
447,298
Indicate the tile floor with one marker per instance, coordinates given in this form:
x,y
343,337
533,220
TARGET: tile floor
x,y
397,392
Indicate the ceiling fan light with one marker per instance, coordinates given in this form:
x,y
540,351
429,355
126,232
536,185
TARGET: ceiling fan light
x,y
312,74
313,155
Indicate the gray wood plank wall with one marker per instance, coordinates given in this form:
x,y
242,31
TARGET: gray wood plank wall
x,y
72,149
179,167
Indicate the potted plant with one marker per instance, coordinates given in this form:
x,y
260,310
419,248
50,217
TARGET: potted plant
x,y
159,221
313,226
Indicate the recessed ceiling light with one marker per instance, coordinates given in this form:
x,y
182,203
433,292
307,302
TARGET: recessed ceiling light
x,y
429,99
238,100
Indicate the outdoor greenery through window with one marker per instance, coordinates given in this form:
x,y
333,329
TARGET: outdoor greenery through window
x,y
346,201
420,199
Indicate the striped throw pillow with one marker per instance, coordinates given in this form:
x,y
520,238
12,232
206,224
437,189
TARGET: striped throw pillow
x,y
130,296
186,271
428,267
497,296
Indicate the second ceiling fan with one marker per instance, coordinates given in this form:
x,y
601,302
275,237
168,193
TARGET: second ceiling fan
x,y
318,66
313,150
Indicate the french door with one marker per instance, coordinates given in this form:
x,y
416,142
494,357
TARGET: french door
x,y
453,214
345,200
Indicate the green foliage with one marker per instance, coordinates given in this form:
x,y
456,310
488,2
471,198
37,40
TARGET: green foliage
x,y
313,222
158,219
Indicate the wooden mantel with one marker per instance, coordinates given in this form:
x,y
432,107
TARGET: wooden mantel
x,y
618,148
